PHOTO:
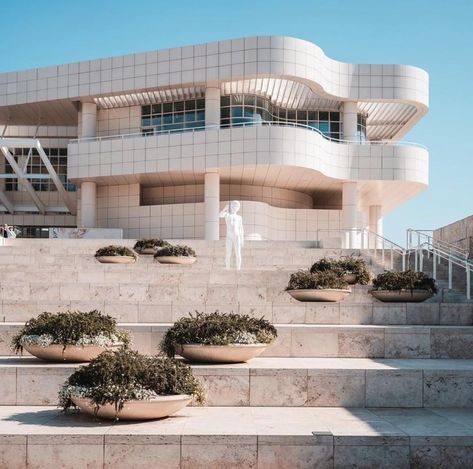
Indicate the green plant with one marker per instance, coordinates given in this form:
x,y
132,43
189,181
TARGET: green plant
x,y
70,328
356,266
324,264
346,265
151,243
306,280
176,251
115,377
406,280
217,329
115,251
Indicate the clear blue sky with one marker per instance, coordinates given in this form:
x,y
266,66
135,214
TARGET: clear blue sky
x,y
436,35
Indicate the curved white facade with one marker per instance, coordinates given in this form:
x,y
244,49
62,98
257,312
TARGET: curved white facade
x,y
347,160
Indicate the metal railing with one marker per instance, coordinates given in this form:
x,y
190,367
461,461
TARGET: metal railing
x,y
246,124
374,243
419,242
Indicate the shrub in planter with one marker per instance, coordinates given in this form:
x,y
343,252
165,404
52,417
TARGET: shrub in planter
x,y
149,246
116,255
403,286
324,264
354,269
175,254
325,285
69,336
218,337
128,385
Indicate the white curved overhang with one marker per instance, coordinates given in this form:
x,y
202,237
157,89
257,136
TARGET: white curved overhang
x,y
277,156
399,92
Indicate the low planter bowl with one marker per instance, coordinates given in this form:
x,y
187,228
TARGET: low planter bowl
x,y
350,279
235,353
148,251
116,259
401,296
326,294
71,353
175,259
157,408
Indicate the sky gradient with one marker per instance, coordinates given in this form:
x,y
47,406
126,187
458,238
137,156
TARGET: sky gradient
x,y
436,35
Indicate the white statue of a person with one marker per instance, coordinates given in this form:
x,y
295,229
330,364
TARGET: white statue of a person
x,y
235,235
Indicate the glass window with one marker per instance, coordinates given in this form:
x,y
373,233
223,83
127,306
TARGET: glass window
x,y
178,106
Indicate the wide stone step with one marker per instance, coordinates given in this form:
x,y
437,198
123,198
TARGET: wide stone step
x,y
351,311
235,438
294,382
324,341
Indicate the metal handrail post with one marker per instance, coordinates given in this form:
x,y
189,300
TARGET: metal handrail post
x,y
450,272
468,278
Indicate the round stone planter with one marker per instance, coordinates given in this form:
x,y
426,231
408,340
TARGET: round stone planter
x,y
116,259
72,353
148,251
401,296
235,353
157,408
326,294
175,259
350,279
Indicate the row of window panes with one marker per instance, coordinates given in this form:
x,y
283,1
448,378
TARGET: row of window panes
x,y
57,158
254,110
178,115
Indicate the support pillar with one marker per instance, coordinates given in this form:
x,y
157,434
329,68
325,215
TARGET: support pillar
x,y
88,204
350,121
350,233
212,206
375,225
88,120
212,106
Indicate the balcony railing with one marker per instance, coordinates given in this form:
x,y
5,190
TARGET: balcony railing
x,y
247,124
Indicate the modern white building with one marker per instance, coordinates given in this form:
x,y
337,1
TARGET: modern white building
x,y
155,143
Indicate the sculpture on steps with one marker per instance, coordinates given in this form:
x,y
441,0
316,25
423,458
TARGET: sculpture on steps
x,y
235,235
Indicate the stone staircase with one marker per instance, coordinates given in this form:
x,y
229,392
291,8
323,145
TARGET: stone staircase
x,y
355,384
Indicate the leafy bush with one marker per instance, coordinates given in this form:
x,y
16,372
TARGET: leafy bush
x,y
217,329
306,280
176,251
115,377
345,265
406,280
70,328
356,266
325,264
115,251
152,243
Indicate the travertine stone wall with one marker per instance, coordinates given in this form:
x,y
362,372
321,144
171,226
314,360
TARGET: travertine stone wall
x,y
459,232
274,196
118,206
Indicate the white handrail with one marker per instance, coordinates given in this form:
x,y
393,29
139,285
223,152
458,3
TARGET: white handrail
x,y
247,124
450,247
373,242
449,252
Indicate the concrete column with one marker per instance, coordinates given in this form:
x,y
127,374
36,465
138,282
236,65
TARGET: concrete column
x,y
88,204
89,120
350,121
375,225
350,236
212,206
212,105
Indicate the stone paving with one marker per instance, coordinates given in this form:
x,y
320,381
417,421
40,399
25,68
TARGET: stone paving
x,y
249,437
